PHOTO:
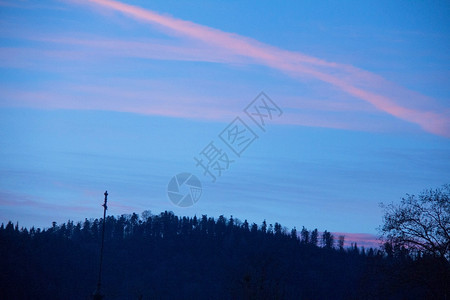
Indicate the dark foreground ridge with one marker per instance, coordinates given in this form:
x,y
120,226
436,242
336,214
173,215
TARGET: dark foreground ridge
x,y
169,257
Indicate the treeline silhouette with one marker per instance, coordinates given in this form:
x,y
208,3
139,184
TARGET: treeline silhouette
x,y
169,257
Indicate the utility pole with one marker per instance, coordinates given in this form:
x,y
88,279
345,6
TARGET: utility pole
x,y
97,295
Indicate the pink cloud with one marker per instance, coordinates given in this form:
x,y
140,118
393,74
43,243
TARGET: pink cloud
x,y
28,201
93,50
110,98
148,97
149,49
124,208
365,240
353,81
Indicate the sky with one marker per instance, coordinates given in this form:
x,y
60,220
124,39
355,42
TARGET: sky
x,y
331,107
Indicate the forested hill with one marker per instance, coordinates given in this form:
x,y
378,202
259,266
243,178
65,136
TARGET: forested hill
x,y
169,257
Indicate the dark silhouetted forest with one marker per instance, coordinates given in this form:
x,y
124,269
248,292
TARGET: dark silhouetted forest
x,y
169,257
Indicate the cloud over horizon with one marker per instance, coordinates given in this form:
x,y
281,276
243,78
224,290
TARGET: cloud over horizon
x,y
331,95
351,80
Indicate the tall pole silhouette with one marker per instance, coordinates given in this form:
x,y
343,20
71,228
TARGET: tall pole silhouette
x,y
97,295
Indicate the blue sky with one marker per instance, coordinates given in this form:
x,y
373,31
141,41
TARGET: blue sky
x,y
98,95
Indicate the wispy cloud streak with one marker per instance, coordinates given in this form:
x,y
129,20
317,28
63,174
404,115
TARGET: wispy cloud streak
x,y
353,81
27,201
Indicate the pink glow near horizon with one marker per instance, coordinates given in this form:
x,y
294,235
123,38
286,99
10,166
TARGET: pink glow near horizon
x,y
23,200
293,64
27,201
365,240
